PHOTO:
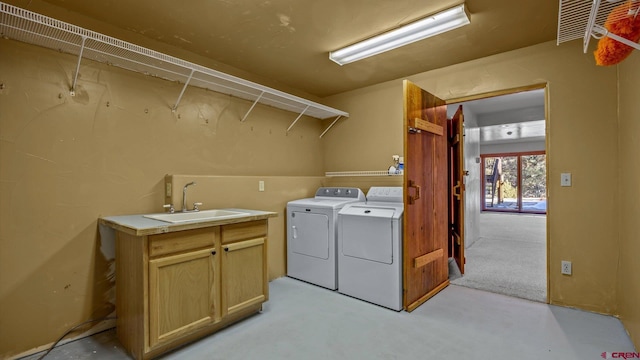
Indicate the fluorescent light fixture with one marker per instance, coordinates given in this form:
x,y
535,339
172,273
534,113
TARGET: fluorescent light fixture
x,y
435,24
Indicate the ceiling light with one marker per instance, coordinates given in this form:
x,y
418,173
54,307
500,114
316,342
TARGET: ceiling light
x,y
432,25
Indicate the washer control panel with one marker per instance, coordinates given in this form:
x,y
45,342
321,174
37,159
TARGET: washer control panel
x,y
385,193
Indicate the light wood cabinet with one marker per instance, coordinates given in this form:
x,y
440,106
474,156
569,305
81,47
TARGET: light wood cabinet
x,y
244,269
182,294
176,287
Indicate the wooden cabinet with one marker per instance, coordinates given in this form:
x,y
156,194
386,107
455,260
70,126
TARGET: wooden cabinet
x,y
175,287
182,294
244,269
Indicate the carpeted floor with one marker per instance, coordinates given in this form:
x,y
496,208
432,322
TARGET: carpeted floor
x,y
509,257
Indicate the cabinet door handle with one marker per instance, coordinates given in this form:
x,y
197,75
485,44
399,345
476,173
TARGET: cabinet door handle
x,y
213,252
244,244
295,231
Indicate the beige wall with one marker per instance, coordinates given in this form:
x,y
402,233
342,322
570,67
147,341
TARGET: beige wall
x,y
582,139
629,179
65,161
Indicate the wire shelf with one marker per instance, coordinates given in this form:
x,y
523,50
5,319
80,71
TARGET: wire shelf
x,y
29,27
360,173
585,19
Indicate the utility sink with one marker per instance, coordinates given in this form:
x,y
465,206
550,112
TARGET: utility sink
x,y
202,215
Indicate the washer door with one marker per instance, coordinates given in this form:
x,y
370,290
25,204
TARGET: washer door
x,y
310,234
368,235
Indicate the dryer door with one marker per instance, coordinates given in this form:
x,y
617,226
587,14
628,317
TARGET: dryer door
x,y
367,233
310,234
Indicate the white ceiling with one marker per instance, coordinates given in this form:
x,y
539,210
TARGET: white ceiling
x,y
513,133
512,118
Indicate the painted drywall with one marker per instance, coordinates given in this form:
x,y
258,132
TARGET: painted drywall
x,y
65,161
472,185
364,183
629,173
582,134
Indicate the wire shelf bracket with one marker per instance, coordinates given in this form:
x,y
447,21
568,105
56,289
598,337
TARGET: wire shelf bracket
x,y
252,106
186,83
298,118
75,76
330,126
36,29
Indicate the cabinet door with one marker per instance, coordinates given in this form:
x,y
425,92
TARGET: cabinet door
x,y
244,275
181,294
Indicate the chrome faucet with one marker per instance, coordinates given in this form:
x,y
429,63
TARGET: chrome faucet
x,y
184,196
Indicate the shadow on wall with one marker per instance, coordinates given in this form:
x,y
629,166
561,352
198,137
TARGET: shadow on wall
x,y
60,285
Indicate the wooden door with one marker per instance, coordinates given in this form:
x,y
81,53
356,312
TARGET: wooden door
x,y
244,275
426,219
181,294
457,185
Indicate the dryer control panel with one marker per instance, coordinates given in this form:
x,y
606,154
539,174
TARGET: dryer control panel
x,y
336,192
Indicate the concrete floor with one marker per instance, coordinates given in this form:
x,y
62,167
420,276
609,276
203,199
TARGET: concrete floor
x,y
303,321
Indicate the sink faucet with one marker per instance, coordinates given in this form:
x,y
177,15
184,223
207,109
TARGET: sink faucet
x,y
184,196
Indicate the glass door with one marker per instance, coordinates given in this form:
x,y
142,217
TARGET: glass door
x,y
534,186
514,182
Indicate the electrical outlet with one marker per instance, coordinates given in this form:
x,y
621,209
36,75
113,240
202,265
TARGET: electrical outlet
x,y
261,185
565,179
566,267
168,189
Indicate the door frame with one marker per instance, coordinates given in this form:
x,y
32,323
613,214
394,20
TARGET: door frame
x,y
548,153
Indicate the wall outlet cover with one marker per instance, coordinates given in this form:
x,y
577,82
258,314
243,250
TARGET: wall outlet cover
x,y
565,267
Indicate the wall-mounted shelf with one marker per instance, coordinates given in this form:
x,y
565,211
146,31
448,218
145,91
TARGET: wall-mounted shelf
x,y
359,173
29,27
585,19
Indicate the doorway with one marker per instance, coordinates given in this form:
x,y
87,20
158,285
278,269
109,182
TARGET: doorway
x,y
505,206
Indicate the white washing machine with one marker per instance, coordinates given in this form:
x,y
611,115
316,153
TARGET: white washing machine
x,y
370,248
312,233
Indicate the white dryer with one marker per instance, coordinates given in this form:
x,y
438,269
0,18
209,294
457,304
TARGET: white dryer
x,y
370,248
312,232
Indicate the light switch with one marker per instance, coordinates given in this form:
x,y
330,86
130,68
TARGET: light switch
x,y
565,179
261,185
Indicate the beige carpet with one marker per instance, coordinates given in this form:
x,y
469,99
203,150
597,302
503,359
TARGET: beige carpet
x,y
509,257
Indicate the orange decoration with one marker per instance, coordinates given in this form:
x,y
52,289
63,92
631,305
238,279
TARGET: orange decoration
x,y
621,23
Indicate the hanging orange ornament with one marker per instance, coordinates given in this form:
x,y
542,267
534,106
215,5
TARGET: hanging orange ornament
x,y
623,21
